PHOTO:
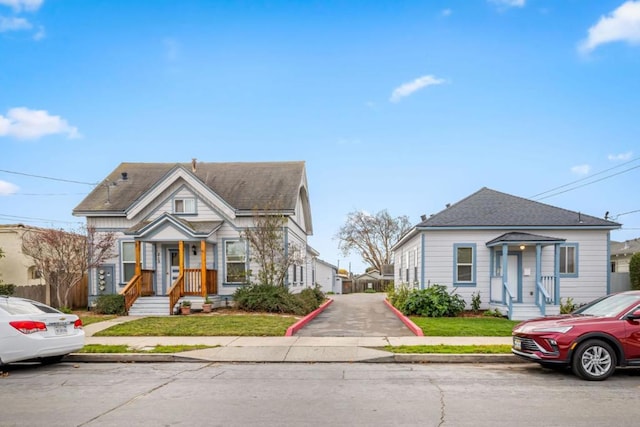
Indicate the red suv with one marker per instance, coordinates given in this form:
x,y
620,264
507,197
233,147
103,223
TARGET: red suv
x,y
593,340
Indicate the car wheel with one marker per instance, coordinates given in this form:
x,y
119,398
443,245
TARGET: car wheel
x,y
51,360
594,360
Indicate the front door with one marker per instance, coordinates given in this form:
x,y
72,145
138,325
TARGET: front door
x,y
514,277
173,267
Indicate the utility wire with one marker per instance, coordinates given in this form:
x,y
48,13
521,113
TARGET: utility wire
x,y
50,178
37,219
585,184
584,179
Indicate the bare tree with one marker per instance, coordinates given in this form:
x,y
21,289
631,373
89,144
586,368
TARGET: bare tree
x,y
64,257
372,236
268,247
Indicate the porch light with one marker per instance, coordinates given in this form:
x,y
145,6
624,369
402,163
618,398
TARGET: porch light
x,y
194,249
522,247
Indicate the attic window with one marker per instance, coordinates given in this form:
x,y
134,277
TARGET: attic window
x,y
184,206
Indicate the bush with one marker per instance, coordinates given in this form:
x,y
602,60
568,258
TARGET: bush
x,y
475,302
567,306
110,304
277,299
7,289
434,301
634,271
398,296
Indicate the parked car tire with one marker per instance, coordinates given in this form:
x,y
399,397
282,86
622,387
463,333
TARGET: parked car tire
x,y
51,360
594,360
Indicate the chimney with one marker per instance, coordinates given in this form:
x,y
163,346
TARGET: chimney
x,y
423,217
193,165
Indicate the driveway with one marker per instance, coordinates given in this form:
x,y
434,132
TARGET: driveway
x,y
356,315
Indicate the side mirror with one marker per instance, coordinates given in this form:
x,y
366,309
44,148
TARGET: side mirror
x,y
634,315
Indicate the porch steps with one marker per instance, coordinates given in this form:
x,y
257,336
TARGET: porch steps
x,y
530,311
150,306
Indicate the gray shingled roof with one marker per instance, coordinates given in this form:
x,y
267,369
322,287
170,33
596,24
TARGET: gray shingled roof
x,y
625,248
244,186
519,237
490,208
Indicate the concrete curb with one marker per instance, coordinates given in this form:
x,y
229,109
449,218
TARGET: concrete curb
x,y
291,330
391,358
412,326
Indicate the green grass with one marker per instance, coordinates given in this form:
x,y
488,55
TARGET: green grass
x,y
100,348
202,326
89,319
464,326
450,349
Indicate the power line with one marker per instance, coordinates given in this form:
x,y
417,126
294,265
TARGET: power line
x,y
49,178
586,178
585,184
13,217
46,194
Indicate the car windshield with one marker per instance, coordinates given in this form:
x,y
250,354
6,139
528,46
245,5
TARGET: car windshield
x,y
22,306
608,306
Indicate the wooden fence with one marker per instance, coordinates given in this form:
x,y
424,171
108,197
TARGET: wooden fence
x,y
77,298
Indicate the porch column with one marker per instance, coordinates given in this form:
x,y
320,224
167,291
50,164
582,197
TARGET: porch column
x,y
181,264
505,272
538,269
203,267
556,273
138,268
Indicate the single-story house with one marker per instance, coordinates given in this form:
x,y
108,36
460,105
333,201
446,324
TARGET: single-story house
x,y
521,256
179,228
621,253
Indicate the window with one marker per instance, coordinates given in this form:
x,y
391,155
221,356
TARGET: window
x,y
184,206
295,277
569,259
235,261
464,264
128,261
34,273
301,275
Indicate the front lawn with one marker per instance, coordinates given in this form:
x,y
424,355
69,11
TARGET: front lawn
x,y
464,326
259,325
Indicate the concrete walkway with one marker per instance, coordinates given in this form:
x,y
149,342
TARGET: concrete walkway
x,y
359,337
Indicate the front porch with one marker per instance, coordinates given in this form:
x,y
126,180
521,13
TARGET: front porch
x,y
514,290
195,282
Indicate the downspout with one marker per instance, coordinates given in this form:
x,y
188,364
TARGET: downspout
x,y
422,266
556,274
608,264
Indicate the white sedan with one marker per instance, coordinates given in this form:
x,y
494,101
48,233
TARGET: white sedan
x,y
30,330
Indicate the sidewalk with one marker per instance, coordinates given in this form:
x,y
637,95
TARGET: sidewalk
x,y
288,349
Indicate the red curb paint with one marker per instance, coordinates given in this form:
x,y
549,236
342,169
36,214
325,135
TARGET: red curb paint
x,y
414,328
308,318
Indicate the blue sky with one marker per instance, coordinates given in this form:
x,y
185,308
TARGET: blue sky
x,y
397,105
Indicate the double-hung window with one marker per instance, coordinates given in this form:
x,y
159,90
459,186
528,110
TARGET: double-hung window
x,y
235,252
128,261
569,260
464,264
184,205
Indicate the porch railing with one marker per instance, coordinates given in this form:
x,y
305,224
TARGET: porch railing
x,y
190,283
545,291
509,298
139,285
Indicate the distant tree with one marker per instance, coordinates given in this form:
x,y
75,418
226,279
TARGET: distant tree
x,y
634,270
268,246
64,257
372,236
343,271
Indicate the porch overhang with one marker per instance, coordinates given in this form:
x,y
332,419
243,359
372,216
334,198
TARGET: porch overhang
x,y
520,238
147,230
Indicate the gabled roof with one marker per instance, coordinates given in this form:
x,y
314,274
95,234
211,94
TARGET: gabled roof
x,y
523,238
243,186
492,209
627,247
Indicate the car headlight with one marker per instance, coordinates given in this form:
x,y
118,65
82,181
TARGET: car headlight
x,y
556,329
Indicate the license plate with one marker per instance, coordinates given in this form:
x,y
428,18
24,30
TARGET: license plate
x,y
60,329
517,343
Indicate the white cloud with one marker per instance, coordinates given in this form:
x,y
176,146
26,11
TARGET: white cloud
x,y
446,12
7,188
623,24
13,24
40,34
581,169
407,89
509,3
20,5
23,123
621,156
